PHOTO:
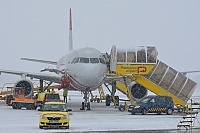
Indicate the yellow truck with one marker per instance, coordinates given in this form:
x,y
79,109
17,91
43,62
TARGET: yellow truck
x,y
54,115
43,97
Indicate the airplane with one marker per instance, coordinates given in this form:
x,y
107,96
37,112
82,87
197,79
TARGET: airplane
x,y
83,70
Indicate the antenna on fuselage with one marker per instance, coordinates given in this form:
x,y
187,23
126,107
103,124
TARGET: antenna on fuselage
x,y
70,31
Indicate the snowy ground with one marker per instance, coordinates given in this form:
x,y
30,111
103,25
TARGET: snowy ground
x,y
100,118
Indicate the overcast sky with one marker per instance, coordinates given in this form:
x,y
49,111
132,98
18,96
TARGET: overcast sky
x,y
39,29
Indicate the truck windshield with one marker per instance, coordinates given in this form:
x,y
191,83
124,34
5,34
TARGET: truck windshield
x,y
52,97
54,107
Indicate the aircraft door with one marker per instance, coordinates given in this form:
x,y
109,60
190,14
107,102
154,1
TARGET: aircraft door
x,y
113,59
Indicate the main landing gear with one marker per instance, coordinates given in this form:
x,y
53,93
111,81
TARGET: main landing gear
x,y
86,103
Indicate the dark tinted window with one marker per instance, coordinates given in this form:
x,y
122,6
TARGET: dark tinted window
x,y
53,97
94,60
84,60
76,60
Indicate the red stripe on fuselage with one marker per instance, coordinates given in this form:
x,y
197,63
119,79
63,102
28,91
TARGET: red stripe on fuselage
x,y
67,82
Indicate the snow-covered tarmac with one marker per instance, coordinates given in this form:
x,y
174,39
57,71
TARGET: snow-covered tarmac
x,y
100,118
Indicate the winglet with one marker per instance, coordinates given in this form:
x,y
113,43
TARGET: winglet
x,y
70,31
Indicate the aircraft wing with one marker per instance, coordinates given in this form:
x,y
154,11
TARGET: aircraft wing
x,y
55,79
40,61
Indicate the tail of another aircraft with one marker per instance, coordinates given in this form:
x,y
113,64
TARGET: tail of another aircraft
x,y
70,31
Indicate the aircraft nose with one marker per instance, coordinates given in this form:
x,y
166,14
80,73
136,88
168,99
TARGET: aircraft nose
x,y
92,76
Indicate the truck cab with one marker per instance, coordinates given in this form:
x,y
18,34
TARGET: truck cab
x,y
47,97
153,104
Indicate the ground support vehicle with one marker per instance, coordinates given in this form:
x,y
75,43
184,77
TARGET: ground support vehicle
x,y
43,97
20,101
54,115
153,104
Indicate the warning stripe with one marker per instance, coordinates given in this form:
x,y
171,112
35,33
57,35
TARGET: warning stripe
x,y
156,109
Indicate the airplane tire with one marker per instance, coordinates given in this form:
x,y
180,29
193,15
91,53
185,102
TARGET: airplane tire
x,y
107,104
98,100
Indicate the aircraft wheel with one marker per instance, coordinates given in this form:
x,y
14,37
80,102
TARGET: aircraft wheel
x,y
98,100
107,104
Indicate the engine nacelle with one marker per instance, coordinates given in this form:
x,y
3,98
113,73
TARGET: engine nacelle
x,y
137,91
27,85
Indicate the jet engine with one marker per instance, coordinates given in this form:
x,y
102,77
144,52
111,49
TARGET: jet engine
x,y
137,91
26,85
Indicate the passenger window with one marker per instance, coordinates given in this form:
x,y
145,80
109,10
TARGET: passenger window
x,y
77,60
102,60
152,100
84,60
160,100
94,60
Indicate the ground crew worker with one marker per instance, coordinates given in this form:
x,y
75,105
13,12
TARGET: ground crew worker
x,y
65,92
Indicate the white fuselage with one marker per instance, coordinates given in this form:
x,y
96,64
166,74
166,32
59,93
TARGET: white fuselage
x,y
85,67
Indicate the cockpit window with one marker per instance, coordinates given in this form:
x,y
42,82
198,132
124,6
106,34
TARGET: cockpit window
x,y
73,61
77,60
94,60
84,60
102,61
87,60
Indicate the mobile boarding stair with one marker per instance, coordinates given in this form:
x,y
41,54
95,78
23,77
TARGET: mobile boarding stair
x,y
141,65
190,120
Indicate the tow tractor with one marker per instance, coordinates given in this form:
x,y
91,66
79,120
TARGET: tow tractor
x,y
20,101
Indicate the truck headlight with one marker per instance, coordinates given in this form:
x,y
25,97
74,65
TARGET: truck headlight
x,y
43,117
137,107
64,117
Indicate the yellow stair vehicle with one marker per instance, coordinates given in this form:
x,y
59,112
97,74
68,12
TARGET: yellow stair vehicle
x,y
140,70
190,120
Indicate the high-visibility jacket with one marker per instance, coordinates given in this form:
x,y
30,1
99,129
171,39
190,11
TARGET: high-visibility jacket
x,y
65,92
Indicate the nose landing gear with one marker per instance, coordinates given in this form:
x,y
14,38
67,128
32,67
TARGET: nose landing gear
x,y
86,103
